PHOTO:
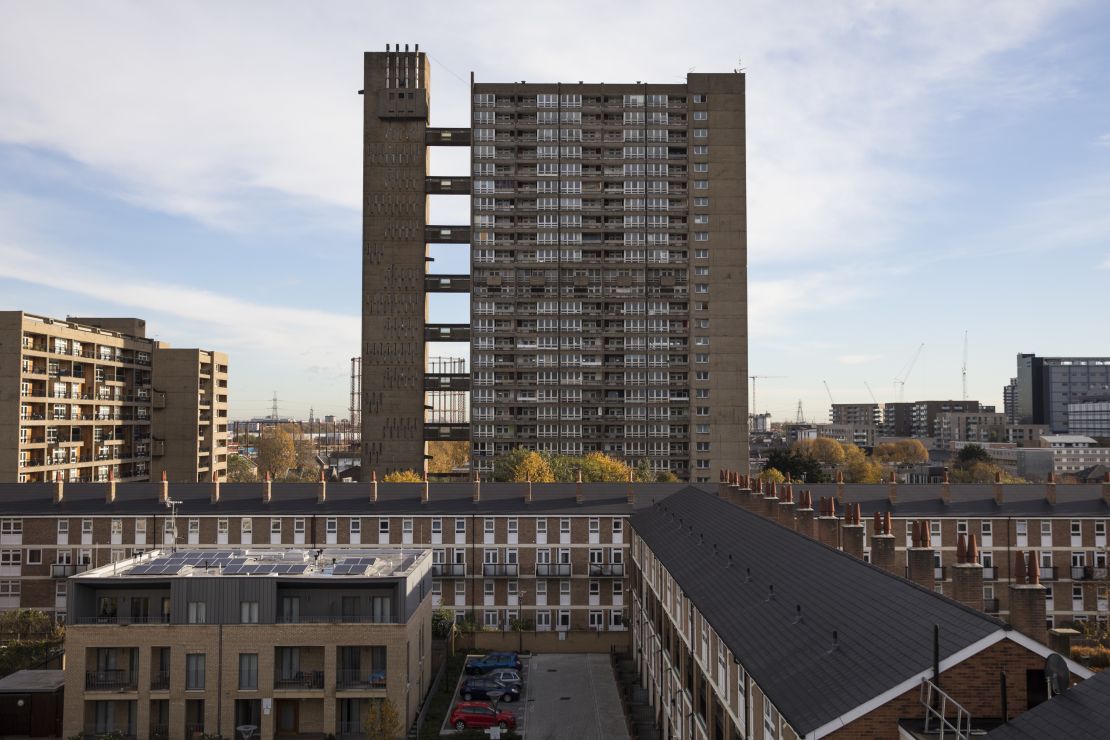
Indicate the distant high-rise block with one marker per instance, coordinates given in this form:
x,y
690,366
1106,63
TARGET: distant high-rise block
x,y
608,243
93,399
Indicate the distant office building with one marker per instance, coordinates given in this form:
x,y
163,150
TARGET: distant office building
x,y
91,398
1009,401
608,270
1025,435
856,414
1091,418
1046,385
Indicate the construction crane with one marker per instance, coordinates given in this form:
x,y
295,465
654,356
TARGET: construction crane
x,y
831,401
754,408
875,400
964,369
900,379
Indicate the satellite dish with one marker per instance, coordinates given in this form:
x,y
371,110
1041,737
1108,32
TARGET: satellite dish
x,y
1057,675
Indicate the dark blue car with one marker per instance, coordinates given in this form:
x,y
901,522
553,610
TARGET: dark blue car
x,y
491,661
480,687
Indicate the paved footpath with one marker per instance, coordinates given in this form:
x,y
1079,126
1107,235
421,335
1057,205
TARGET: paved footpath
x,y
573,696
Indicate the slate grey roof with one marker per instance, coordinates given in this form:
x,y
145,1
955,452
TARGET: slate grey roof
x,y
394,499
884,623
29,681
1081,712
968,500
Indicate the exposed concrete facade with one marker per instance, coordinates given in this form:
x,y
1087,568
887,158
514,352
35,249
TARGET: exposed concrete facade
x,y
394,305
189,426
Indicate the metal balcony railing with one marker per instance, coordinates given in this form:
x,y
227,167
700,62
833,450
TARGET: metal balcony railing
x,y
615,570
160,681
111,679
500,569
301,680
553,569
356,678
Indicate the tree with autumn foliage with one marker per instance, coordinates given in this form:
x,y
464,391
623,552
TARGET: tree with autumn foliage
x,y
858,468
824,450
403,476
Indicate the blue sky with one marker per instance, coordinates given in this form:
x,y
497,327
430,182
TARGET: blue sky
x,y
915,170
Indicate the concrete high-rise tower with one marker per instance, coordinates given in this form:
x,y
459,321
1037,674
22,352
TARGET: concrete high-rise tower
x,y
608,244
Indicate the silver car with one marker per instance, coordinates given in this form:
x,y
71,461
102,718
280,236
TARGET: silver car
x,y
507,676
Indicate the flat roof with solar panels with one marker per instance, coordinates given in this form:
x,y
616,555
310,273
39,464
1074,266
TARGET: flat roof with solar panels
x,y
314,563
210,586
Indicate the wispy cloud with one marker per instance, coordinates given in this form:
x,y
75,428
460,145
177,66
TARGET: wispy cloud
x,y
1105,264
857,359
1103,140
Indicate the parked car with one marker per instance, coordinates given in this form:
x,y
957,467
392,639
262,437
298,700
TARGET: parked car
x,y
487,663
479,715
507,676
483,687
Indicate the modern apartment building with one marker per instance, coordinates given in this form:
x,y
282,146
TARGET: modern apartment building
x,y
82,400
856,414
191,643
1046,385
744,628
968,426
924,413
608,270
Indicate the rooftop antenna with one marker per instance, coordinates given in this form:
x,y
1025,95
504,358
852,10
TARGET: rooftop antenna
x,y
964,369
172,506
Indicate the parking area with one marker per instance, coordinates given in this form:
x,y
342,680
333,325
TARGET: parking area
x,y
565,696
573,696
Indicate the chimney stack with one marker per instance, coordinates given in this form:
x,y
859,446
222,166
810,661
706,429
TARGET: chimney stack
x,y
785,512
770,508
1050,488
528,491
967,573
631,496
321,489
839,487
882,544
1027,607
803,521
373,486
946,489
59,487
828,525
578,499
722,484
111,497
425,494
215,488
477,487
852,532
919,558
998,488
893,495
165,495
268,492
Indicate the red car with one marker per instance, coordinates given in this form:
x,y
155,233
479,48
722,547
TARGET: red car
x,y
479,714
